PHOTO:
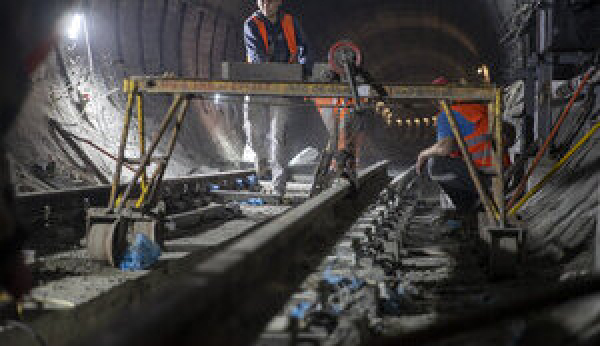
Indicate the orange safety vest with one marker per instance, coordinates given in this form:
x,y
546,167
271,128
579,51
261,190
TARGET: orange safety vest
x,y
288,31
479,142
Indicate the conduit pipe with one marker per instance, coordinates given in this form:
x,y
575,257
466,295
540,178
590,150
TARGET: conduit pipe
x,y
546,144
554,169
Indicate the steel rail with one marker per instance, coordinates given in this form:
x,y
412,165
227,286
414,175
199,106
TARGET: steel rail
x,y
162,85
78,197
229,298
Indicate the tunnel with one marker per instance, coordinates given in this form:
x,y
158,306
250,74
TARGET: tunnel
x,y
368,244
408,42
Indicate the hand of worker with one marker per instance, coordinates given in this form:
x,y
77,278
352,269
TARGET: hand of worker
x,y
421,159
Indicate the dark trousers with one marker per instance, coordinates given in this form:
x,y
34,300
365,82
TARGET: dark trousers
x,y
452,175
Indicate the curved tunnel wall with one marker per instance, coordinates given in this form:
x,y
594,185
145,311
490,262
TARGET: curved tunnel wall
x,y
408,41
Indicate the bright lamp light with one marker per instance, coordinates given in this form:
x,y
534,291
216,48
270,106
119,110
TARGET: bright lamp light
x,y
75,26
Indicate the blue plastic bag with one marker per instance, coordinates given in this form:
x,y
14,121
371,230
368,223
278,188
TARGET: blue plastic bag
x,y
301,309
256,201
252,180
142,254
240,184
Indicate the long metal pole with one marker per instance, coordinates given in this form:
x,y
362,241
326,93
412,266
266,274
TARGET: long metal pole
x,y
87,42
158,177
468,161
124,134
146,159
142,134
499,158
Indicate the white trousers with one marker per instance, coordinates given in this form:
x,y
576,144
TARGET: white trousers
x,y
261,114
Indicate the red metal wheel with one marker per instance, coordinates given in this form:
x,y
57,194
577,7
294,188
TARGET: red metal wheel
x,y
341,52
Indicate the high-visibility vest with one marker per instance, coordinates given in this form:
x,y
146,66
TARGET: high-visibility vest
x,y
479,144
289,32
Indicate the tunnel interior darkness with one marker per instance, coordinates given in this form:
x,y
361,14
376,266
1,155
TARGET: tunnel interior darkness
x,y
409,41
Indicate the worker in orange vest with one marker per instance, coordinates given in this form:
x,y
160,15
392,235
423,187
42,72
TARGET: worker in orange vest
x,y
270,35
443,161
336,112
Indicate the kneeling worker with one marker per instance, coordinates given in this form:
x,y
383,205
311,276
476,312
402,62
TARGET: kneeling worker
x,y
443,161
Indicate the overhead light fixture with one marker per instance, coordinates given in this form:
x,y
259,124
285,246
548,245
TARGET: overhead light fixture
x,y
484,71
75,26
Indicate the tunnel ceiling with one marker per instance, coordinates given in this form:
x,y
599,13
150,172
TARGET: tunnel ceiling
x,y
403,40
409,41
400,36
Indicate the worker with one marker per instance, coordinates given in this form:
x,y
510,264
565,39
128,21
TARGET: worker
x,y
443,161
270,35
340,120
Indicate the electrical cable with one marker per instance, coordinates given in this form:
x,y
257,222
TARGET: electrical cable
x,y
554,169
575,127
551,136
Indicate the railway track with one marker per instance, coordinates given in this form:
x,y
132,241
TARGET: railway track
x,y
215,251
350,266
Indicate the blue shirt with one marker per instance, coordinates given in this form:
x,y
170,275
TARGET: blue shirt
x,y
465,127
255,47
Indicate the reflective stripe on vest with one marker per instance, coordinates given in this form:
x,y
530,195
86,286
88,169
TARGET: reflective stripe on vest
x,y
478,139
479,144
289,32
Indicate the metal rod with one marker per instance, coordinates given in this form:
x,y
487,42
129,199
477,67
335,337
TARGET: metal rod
x,y
88,43
141,133
100,149
468,161
159,174
157,137
554,169
153,186
124,134
308,89
336,128
70,139
307,105
352,84
499,158
544,147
